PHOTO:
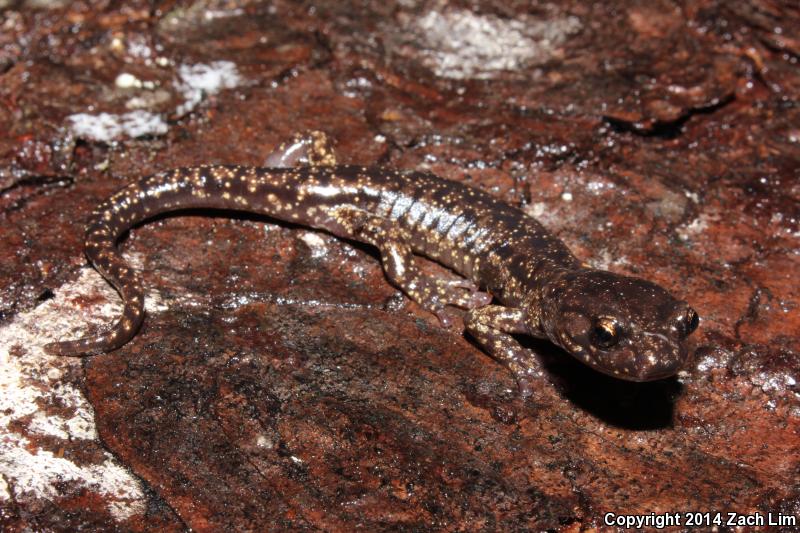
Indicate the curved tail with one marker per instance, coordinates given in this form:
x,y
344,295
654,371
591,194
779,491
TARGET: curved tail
x,y
130,205
101,251
218,187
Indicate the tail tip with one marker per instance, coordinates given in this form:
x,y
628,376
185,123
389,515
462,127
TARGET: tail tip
x,y
67,348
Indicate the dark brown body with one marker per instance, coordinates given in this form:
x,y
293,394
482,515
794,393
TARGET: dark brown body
x,y
495,246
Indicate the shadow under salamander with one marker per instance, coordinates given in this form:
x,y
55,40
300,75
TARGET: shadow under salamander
x,y
625,404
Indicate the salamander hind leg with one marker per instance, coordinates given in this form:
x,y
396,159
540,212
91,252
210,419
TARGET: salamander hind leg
x,y
399,264
312,149
492,327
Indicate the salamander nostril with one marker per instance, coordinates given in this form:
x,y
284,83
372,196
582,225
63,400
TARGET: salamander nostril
x,y
692,320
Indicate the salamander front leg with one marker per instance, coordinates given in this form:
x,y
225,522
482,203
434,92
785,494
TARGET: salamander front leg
x,y
492,327
399,264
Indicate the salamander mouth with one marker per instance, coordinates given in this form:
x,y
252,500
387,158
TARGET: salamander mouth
x,y
654,376
637,373
650,365
638,378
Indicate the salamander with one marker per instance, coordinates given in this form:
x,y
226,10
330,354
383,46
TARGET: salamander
x,y
516,277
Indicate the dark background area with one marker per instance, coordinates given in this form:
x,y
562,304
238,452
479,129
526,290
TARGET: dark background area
x,y
279,381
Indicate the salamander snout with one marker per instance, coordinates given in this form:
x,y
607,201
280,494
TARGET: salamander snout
x,y
655,357
626,327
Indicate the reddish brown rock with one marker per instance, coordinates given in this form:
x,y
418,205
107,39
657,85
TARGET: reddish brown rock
x,y
279,381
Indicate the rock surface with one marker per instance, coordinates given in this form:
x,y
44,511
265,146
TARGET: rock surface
x,y
279,382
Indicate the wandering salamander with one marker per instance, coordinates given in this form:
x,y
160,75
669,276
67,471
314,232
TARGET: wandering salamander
x,y
623,326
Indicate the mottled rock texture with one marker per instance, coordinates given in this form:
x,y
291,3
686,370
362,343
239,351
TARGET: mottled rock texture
x,y
279,382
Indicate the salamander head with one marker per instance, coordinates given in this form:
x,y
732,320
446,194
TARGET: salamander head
x,y
622,326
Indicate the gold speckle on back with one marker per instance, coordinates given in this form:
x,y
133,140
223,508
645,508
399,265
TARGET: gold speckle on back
x,y
516,276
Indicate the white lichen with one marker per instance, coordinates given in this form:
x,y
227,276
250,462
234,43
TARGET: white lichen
x,y
30,381
193,83
108,127
200,80
460,44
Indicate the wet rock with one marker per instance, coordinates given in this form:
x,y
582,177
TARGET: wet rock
x,y
279,381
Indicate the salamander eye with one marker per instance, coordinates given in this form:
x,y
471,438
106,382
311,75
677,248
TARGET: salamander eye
x,y
605,332
690,321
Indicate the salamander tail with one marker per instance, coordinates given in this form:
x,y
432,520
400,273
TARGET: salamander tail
x,y
92,345
102,252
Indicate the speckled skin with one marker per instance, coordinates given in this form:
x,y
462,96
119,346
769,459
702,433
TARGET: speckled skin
x,y
623,326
